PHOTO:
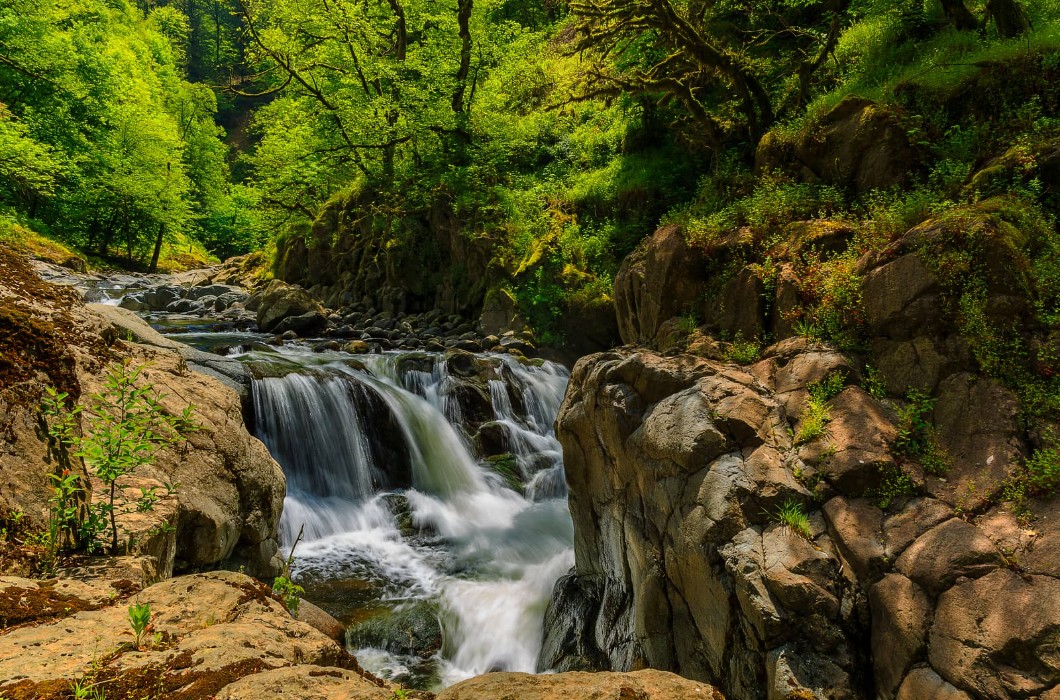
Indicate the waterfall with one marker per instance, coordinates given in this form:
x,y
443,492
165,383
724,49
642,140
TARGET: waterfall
x,y
400,512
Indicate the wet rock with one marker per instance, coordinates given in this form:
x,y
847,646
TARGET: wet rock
x,y
411,629
309,323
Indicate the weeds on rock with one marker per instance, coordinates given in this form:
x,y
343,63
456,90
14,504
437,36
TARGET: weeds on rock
x,y
139,619
916,435
815,416
284,586
895,485
743,352
794,518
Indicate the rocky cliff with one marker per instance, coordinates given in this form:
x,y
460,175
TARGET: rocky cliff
x,y
815,522
230,494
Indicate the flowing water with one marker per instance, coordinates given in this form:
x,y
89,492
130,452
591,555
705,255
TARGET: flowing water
x,y
406,532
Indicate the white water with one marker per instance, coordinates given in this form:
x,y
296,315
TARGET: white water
x,y
487,556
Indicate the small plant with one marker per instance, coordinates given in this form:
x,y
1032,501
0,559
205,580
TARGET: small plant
x,y
1043,471
896,484
83,690
828,388
916,435
284,586
125,428
688,322
139,618
743,352
873,384
792,516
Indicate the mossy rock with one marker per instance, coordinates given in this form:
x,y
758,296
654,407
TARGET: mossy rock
x,y
411,629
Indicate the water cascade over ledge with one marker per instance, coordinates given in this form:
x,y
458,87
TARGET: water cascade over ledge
x,y
430,493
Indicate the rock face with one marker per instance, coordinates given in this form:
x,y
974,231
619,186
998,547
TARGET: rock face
x,y
642,685
227,506
349,256
288,305
220,634
658,281
677,469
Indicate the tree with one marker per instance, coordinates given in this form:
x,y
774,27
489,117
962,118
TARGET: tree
x,y
718,60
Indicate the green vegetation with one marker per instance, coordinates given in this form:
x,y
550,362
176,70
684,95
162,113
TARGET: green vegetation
x,y
139,619
815,414
792,516
123,428
895,485
743,352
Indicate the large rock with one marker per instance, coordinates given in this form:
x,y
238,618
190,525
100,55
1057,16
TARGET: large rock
x,y
676,468
662,279
996,637
208,632
230,494
858,142
640,685
279,301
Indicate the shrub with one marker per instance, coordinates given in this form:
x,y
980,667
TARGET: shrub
x,y
1043,471
743,352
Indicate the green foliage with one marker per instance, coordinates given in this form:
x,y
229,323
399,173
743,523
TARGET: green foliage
x,y
873,384
139,619
284,585
743,352
792,516
816,415
124,428
894,486
1043,471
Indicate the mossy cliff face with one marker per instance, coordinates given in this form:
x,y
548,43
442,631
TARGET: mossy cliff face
x,y
358,251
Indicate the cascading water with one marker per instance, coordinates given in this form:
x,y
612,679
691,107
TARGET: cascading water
x,y
401,520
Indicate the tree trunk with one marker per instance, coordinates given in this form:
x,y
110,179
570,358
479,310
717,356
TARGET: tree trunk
x,y
1009,17
957,13
158,248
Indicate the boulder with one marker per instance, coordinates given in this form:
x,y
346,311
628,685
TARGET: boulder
x,y
662,279
280,300
858,142
207,632
995,637
639,685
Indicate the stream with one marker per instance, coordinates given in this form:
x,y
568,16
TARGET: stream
x,y
439,561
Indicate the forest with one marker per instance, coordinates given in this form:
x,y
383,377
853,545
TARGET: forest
x,y
561,133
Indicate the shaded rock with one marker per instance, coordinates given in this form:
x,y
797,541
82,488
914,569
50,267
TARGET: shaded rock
x,y
280,300
946,553
859,142
662,279
411,629
977,425
900,616
923,683
996,636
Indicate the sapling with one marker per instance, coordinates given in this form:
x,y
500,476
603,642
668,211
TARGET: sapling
x,y
139,618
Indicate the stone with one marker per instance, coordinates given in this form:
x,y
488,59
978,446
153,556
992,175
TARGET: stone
x,y
638,685
901,299
924,684
860,433
305,682
996,636
662,279
900,614
976,419
856,525
309,323
859,142
941,556
280,300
